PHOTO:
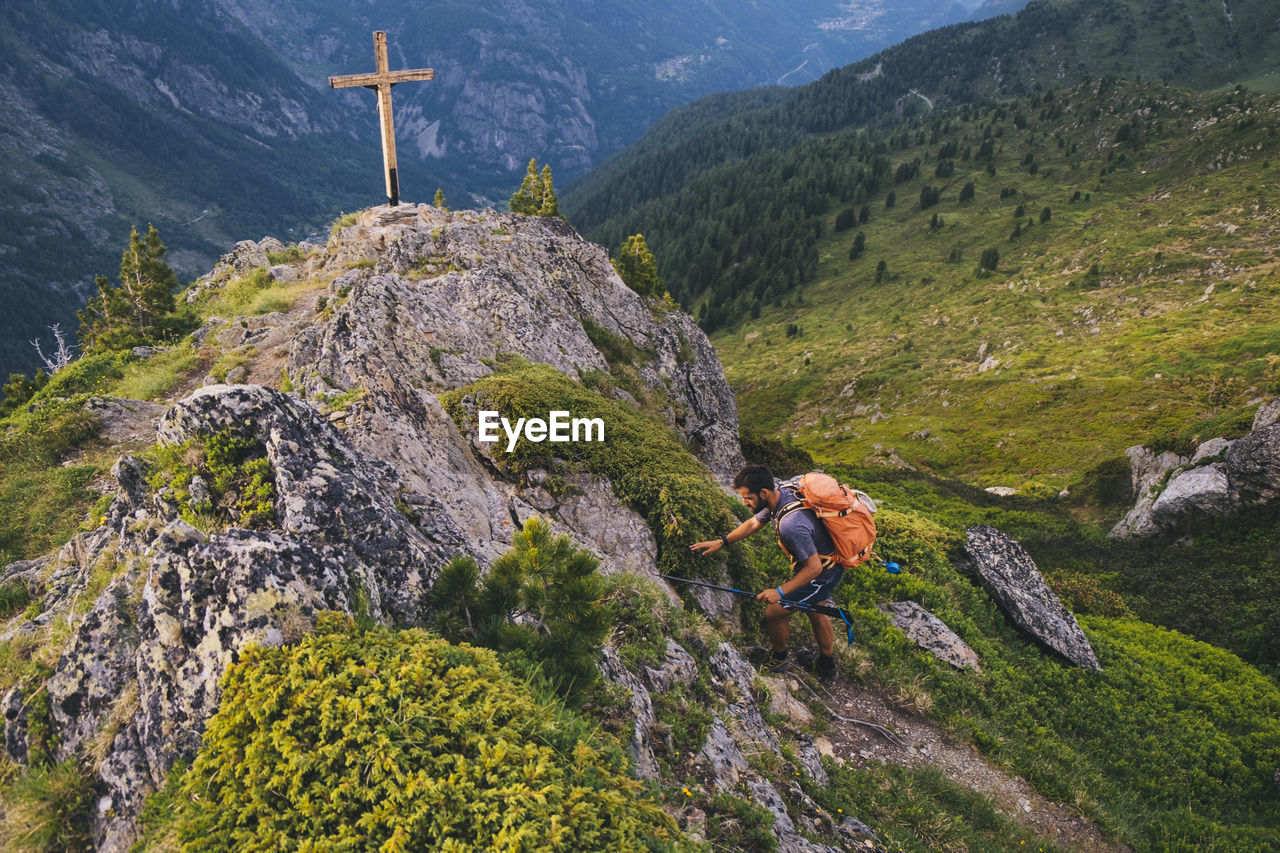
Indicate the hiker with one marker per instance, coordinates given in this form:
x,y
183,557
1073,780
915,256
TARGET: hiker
x,y
805,540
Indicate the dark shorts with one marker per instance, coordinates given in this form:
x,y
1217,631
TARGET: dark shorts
x,y
817,591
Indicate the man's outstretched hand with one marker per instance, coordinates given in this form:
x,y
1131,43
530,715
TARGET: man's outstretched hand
x,y
708,547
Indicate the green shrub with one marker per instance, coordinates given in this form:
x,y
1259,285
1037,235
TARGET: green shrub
x,y
235,470
1086,594
291,254
400,741
736,824
542,600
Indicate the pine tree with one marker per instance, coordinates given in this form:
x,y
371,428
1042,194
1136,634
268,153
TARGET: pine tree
x,y
541,598
638,268
527,199
549,205
131,313
439,200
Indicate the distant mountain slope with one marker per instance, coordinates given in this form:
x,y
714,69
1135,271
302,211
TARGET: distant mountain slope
x,y
1049,44
213,119
1038,283
170,114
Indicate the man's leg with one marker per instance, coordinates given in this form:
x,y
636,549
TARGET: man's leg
x,y
822,632
776,622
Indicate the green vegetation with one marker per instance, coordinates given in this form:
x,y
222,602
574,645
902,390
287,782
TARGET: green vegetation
x,y
536,196
141,309
637,268
1173,740
922,810
48,459
216,480
541,600
465,757
1131,309
649,470
46,809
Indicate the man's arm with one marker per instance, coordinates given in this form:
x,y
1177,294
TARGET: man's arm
x,y
742,531
809,570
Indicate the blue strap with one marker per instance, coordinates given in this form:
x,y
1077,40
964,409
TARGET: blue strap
x,y
848,626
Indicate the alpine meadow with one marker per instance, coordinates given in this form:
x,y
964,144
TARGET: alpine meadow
x,y
440,530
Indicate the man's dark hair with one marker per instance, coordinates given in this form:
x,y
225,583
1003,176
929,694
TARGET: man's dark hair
x,y
754,478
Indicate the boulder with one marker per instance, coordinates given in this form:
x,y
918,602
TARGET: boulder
x,y
1203,491
1148,470
1268,413
1009,575
932,634
1253,464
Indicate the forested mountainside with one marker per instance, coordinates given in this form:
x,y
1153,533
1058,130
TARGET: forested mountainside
x,y
921,241
1047,45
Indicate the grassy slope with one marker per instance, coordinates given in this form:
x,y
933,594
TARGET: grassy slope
x,y
1170,747
1142,309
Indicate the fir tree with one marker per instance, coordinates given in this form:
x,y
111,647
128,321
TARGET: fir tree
x,y
542,598
439,200
527,199
131,313
549,205
537,195
637,267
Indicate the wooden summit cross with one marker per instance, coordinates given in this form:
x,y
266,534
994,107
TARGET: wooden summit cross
x,y
382,80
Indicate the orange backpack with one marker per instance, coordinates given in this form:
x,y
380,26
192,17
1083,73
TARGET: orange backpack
x,y
846,512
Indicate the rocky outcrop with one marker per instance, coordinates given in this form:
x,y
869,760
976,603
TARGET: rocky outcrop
x,y
375,486
1006,571
139,675
1222,477
1253,465
450,292
932,634
1148,470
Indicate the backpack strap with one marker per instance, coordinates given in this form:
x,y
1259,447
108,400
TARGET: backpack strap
x,y
782,513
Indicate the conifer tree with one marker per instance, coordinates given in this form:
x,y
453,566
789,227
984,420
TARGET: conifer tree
x,y
528,199
638,268
131,313
549,205
439,200
542,598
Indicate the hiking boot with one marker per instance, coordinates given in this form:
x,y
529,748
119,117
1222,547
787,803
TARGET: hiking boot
x,y
805,659
776,662
825,667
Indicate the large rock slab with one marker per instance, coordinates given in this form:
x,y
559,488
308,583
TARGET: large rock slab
x,y
932,634
1007,572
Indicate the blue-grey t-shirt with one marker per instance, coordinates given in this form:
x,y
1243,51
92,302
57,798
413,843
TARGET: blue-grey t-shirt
x,y
802,533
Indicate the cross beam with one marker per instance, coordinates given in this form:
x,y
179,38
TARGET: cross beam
x,y
382,80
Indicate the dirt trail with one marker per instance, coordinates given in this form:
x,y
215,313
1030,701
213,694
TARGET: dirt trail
x,y
926,745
